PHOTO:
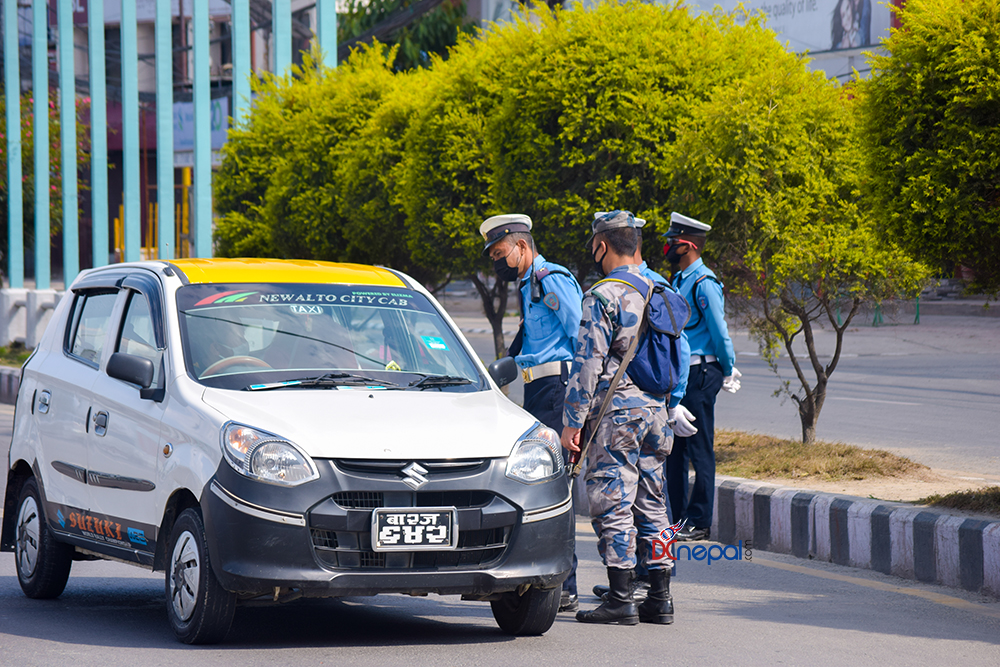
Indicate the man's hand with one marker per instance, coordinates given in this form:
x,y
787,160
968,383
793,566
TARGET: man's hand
x,y
571,438
679,420
731,383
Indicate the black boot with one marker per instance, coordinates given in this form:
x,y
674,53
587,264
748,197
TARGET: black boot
x,y
658,607
620,609
639,587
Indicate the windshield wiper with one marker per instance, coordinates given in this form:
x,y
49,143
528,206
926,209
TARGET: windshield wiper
x,y
326,380
440,381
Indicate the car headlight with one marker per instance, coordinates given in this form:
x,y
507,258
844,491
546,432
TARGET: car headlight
x,y
265,456
536,457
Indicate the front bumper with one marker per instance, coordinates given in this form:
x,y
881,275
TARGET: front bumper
x,y
317,538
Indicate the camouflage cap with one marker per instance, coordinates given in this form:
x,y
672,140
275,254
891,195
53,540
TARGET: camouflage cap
x,y
606,220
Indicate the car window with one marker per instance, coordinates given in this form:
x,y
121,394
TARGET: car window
x,y
137,336
90,324
276,332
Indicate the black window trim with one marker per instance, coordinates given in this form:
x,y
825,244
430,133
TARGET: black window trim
x,y
74,323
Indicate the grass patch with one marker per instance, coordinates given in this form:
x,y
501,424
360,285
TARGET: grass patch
x,y
14,354
753,455
984,501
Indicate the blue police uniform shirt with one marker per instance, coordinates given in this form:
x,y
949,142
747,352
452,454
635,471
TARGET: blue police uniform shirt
x,y
685,350
707,331
551,325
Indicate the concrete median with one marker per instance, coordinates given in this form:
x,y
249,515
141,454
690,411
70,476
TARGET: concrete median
x,y
931,546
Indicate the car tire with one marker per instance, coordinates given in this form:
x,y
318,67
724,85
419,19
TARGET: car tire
x,y
199,608
527,615
43,564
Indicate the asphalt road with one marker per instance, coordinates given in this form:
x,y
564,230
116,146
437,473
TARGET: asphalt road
x,y
769,610
930,392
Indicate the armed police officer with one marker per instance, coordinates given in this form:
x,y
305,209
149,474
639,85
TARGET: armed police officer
x,y
680,419
712,369
550,300
631,439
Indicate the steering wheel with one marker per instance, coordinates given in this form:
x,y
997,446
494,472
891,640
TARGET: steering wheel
x,y
223,364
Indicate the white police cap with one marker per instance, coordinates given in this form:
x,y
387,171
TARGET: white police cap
x,y
495,228
683,225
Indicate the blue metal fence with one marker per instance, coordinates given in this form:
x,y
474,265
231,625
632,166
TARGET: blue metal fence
x,y
132,215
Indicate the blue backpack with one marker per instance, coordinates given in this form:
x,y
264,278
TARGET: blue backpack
x,y
656,366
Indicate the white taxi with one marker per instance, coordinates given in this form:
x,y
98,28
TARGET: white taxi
x,y
265,430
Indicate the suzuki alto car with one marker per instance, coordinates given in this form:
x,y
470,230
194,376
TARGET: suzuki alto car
x,y
264,430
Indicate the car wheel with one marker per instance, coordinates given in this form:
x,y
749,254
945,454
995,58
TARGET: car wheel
x,y
199,608
43,564
525,615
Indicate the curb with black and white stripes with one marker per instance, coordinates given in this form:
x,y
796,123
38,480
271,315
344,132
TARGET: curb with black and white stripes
x,y
892,538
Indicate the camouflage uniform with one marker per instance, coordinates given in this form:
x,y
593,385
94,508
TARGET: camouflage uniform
x,y
625,462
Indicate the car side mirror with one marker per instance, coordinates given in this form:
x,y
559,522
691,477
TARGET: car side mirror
x,y
504,371
130,368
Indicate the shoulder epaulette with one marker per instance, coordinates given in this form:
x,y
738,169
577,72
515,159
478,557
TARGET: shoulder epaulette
x,y
543,272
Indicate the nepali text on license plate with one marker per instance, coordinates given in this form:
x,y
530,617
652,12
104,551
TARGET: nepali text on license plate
x,y
406,529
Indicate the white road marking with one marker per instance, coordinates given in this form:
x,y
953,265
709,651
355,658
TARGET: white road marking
x,y
870,400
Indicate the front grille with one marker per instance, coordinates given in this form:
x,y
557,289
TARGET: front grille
x,y
459,499
324,539
359,500
372,559
476,548
394,469
368,500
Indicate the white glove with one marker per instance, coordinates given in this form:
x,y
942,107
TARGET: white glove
x,y
679,420
731,383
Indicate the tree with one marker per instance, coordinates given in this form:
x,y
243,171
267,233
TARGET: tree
x,y
770,162
420,37
307,175
443,179
28,164
931,132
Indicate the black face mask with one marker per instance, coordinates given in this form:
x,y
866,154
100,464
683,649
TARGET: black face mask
x,y
599,263
505,271
672,256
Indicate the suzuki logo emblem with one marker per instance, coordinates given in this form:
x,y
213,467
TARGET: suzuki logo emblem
x,y
414,476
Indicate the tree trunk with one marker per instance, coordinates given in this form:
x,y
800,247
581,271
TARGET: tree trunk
x,y
494,306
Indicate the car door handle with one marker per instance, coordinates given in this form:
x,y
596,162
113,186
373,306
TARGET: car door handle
x,y
100,423
43,401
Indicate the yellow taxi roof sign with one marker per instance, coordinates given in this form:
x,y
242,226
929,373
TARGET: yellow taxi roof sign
x,y
253,270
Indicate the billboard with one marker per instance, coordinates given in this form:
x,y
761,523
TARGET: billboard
x,y
818,25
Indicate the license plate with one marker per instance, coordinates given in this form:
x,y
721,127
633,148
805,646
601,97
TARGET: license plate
x,y
414,529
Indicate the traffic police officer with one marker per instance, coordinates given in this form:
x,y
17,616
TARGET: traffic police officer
x,y
625,464
550,307
712,369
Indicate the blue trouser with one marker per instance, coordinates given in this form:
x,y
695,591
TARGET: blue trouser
x,y
704,384
544,399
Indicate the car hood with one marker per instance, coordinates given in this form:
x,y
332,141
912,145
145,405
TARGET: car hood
x,y
381,424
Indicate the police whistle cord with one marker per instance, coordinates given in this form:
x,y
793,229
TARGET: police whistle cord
x,y
575,471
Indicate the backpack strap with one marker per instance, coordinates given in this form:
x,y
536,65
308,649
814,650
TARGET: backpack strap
x,y
694,297
619,374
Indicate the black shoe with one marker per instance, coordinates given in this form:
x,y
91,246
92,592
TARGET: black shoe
x,y
658,607
692,534
639,587
568,601
620,609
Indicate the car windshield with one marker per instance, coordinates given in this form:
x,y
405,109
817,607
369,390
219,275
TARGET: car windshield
x,y
246,335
